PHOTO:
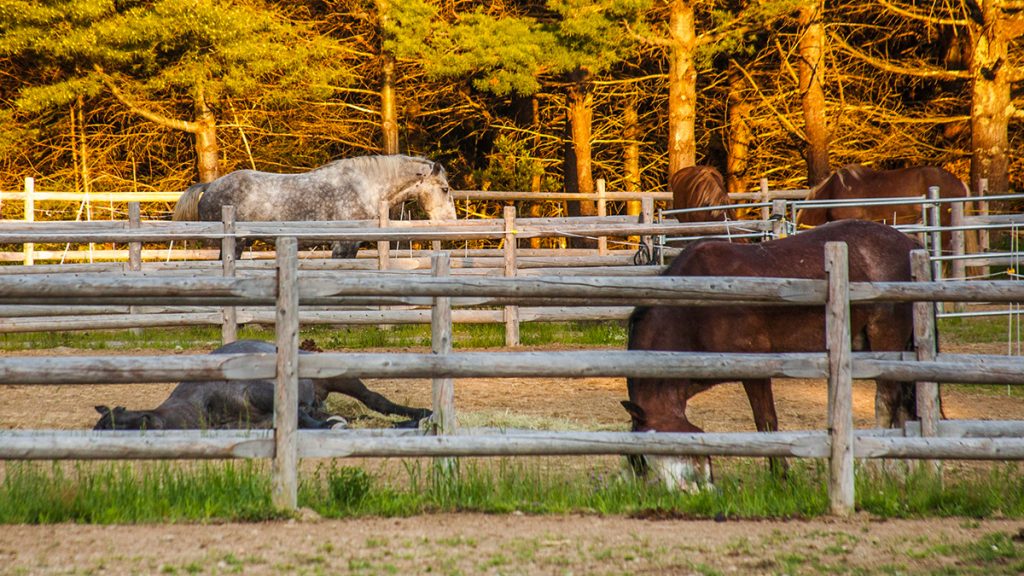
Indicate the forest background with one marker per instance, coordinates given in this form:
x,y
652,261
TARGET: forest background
x,y
133,95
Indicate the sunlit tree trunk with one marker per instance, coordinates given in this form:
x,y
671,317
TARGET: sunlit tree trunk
x,y
739,133
812,94
682,87
990,100
631,155
205,124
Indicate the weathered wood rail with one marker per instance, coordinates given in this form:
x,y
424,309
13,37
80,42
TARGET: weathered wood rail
x,y
286,445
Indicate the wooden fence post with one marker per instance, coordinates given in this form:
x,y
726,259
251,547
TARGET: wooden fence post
x,y
383,246
229,314
30,216
764,198
134,251
983,235
647,217
284,469
443,420
778,218
934,221
958,266
511,314
928,401
840,380
602,211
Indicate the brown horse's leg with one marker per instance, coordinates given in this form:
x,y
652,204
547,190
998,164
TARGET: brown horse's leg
x,y
895,403
762,403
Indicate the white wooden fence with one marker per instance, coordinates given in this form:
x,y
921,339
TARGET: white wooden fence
x,y
286,445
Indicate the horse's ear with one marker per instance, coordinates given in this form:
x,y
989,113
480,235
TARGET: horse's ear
x,y
636,412
436,169
103,410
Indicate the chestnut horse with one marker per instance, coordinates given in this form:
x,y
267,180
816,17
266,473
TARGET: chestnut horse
x,y
853,182
700,186
876,253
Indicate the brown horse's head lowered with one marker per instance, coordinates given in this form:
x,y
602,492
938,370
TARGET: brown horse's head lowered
x,y
876,253
700,187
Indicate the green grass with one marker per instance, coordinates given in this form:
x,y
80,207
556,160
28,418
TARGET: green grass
x,y
583,333
106,492
977,329
580,333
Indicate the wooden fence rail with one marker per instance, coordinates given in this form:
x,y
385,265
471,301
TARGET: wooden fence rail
x,y
286,445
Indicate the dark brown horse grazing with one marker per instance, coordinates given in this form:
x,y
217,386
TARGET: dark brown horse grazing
x,y
853,182
876,253
700,186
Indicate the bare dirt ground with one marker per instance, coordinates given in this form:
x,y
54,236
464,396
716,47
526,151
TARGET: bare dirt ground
x,y
512,544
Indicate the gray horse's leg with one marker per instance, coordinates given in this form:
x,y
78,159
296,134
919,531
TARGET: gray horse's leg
x,y
355,388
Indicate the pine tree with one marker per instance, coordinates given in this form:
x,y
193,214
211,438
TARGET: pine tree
x,y
168,62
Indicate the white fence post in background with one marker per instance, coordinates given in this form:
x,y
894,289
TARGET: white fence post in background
x,y
30,216
647,217
284,469
764,198
779,218
229,314
383,246
840,380
934,221
602,211
511,314
983,235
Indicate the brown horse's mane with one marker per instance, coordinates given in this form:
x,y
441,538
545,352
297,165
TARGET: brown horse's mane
x,y
699,186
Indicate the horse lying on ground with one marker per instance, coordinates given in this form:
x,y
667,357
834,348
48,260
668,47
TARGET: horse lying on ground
x,y
248,403
347,189
877,253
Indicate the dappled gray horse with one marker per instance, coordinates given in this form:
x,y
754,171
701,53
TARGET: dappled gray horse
x,y
347,189
247,403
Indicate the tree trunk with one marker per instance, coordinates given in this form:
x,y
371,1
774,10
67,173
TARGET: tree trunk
x,y
581,114
990,102
739,135
631,155
537,178
388,114
207,162
812,95
682,88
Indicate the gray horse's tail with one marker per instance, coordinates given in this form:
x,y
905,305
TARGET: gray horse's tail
x,y
187,208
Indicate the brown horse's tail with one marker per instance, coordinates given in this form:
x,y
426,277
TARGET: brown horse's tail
x,y
187,208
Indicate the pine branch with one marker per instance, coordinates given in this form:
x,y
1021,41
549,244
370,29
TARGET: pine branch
x,y
923,71
150,115
922,17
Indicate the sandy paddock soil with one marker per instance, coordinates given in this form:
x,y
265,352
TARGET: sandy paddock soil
x,y
479,544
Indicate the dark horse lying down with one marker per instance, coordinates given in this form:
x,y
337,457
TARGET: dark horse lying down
x,y
247,403
876,253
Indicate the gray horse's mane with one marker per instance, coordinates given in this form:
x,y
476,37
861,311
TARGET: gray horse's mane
x,y
393,165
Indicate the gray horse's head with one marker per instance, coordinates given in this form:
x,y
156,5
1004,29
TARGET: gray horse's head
x,y
434,193
122,419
